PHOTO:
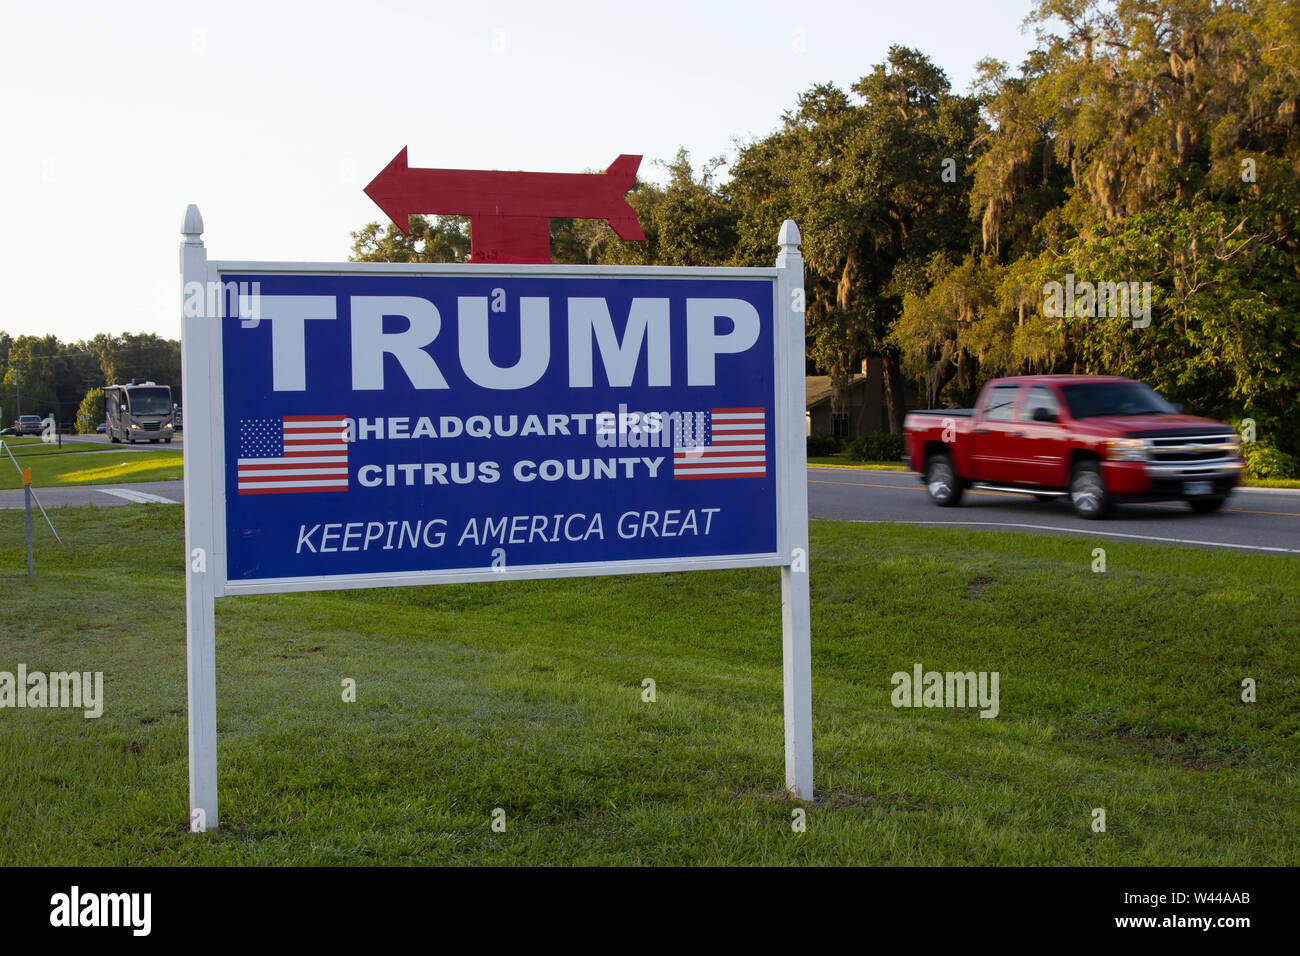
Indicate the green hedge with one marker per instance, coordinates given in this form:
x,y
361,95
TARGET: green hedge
x,y
1265,460
881,446
819,446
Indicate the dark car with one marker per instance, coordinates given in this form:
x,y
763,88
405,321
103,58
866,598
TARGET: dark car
x,y
100,428
28,425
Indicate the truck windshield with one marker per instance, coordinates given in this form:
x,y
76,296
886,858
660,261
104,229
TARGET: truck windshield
x,y
150,401
1095,399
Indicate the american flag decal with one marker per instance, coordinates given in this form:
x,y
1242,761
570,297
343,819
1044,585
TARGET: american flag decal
x,y
735,446
294,454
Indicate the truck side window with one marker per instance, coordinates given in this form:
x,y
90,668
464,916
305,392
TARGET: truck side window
x,y
1001,403
1038,397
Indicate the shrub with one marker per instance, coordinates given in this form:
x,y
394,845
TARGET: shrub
x,y
880,446
1265,460
91,411
821,445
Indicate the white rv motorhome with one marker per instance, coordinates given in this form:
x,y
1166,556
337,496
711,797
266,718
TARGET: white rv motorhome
x,y
140,411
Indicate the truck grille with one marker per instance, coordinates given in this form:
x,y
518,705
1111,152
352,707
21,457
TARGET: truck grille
x,y
151,426
1192,448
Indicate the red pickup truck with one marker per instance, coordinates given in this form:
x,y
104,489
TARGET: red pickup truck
x,y
1094,439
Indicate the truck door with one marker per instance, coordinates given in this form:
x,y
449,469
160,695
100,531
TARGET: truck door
x,y
1041,452
994,435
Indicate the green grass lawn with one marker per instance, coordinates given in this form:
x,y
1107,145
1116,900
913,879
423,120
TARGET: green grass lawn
x,y
1119,690
76,463
27,445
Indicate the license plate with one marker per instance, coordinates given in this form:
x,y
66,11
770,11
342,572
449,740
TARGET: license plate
x,y
1197,488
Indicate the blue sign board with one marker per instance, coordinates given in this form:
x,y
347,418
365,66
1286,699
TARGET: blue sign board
x,y
382,424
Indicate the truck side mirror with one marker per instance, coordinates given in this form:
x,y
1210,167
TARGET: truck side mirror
x,y
1044,415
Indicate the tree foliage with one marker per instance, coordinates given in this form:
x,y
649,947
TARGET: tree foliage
x,y
90,412
45,375
1148,141
1141,141
441,239
878,182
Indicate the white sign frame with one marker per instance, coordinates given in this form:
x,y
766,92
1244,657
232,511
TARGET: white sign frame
x,y
205,492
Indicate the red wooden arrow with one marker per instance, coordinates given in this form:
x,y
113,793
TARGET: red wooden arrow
x,y
509,212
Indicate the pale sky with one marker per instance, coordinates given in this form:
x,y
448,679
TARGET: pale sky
x,y
272,116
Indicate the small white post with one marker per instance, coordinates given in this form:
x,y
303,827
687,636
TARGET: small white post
x,y
792,497
198,333
27,497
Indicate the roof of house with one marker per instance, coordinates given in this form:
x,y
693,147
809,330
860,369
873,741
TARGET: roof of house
x,y
817,388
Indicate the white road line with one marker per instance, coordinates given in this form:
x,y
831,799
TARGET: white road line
x,y
1080,531
913,475
139,497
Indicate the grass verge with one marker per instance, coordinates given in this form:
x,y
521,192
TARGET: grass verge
x,y
75,464
842,460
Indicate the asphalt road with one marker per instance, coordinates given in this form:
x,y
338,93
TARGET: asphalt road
x,y
128,493
1254,519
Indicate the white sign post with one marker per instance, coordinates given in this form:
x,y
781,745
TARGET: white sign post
x,y
263,419
792,478
198,353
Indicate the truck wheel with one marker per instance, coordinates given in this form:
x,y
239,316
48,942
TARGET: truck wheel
x,y
1205,506
942,481
1088,494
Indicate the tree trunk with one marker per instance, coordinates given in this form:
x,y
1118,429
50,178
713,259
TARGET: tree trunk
x,y
892,376
937,376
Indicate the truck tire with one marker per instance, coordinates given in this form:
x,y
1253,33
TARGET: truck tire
x,y
941,480
1205,506
1088,495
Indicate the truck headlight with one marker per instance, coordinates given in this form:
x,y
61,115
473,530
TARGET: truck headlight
x,y
1126,449
134,425
168,425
